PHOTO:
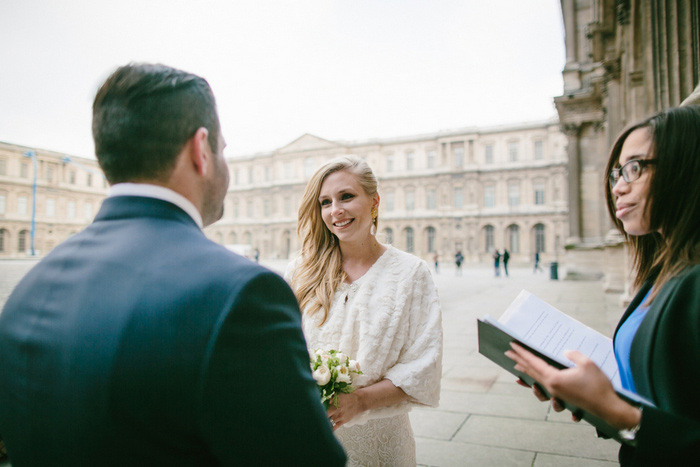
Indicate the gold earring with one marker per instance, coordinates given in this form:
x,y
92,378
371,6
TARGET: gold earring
x,y
373,227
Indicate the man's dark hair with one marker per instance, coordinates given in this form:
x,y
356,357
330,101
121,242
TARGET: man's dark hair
x,y
142,117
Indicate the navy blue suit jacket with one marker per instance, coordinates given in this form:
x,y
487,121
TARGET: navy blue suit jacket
x,y
140,342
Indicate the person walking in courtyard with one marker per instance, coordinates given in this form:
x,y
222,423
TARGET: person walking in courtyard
x,y
537,263
437,264
139,341
459,258
506,258
497,263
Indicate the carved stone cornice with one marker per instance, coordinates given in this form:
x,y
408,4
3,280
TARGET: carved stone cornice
x,y
571,130
580,108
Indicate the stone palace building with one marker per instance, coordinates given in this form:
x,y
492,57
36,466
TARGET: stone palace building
x,y
472,190
625,60
69,191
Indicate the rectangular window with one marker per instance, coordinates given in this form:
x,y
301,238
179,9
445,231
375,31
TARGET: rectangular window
x,y
513,151
71,177
308,167
287,206
89,179
489,196
3,166
24,170
267,173
389,163
235,176
87,210
22,205
459,198
50,207
49,173
250,175
410,200
266,208
70,209
430,199
3,202
389,200
539,150
410,160
488,154
431,159
250,210
539,193
288,170
513,194
458,154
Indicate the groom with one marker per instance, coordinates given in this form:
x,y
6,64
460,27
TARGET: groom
x,y
140,342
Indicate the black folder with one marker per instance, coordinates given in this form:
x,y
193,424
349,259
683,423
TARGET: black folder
x,y
494,341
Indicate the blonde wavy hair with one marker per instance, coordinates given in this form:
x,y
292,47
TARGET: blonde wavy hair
x,y
319,271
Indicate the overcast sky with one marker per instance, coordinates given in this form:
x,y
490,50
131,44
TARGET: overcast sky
x,y
341,70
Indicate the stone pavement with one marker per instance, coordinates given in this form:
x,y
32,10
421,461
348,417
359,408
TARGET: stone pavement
x,y
484,418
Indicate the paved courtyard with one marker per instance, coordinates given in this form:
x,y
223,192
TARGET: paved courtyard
x,y
484,418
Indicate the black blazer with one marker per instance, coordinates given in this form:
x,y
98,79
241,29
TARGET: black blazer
x,y
665,363
140,342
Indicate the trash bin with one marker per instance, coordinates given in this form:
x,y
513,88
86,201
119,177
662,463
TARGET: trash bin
x,y
554,271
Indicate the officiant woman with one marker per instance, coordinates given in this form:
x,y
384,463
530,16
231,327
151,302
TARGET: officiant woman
x,y
373,302
652,187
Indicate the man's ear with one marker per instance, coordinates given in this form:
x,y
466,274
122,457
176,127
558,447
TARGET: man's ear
x,y
200,153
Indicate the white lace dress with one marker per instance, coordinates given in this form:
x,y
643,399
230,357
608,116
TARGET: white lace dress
x,y
390,321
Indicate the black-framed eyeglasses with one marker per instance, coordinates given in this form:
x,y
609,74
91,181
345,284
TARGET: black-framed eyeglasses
x,y
630,171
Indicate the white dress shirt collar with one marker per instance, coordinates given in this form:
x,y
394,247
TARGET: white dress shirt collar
x,y
158,192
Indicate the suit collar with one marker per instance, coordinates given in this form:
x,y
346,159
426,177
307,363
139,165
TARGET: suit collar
x,y
126,207
158,192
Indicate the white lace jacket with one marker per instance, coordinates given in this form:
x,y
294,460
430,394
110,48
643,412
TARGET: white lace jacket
x,y
390,321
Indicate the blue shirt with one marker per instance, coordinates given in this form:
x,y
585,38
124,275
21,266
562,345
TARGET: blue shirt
x,y
623,342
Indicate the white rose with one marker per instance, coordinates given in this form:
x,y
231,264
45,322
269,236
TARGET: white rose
x,y
322,375
319,351
354,365
342,358
343,375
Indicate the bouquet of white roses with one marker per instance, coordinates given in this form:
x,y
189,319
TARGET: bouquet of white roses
x,y
333,372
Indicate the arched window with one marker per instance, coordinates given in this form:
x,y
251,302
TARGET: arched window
x,y
430,231
4,237
409,239
233,238
248,238
514,238
539,237
22,241
389,236
488,238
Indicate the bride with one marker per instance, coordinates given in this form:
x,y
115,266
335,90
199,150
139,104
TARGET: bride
x,y
374,303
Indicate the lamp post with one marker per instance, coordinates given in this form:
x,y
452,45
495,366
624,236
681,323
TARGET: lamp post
x,y
68,160
32,155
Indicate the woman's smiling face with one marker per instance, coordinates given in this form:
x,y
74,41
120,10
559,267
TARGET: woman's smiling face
x,y
346,208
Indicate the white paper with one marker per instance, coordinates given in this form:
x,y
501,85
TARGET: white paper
x,y
551,332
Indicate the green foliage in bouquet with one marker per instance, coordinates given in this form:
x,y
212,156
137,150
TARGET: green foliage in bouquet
x,y
333,372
